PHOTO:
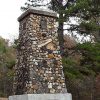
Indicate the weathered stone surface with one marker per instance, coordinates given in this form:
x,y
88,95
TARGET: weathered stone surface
x,y
39,67
39,12
51,56
35,87
65,96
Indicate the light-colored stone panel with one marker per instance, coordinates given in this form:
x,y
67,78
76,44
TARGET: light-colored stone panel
x,y
65,96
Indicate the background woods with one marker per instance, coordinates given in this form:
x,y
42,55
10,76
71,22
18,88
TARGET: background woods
x,y
7,61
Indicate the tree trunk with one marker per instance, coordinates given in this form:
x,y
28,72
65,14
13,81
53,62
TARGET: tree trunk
x,y
60,34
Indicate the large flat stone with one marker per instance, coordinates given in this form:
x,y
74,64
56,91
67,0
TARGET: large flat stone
x,y
66,96
38,11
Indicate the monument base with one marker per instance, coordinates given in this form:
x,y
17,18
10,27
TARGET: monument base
x,y
66,96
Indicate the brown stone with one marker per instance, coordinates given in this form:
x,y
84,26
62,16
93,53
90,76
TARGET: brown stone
x,y
51,56
50,75
51,46
48,78
62,81
42,71
35,87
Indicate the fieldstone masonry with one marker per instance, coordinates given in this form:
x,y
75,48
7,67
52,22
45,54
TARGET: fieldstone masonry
x,y
39,67
39,71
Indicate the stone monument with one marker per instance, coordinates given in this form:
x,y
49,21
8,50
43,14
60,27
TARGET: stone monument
x,y
39,71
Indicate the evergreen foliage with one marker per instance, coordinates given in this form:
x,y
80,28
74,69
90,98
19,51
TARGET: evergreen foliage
x,y
7,62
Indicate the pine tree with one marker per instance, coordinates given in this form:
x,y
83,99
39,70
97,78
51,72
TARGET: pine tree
x,y
60,7
89,13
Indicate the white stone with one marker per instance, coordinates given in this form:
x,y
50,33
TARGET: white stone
x,y
44,42
33,39
55,51
52,78
45,75
36,63
63,84
50,85
59,87
34,42
34,60
65,96
52,90
31,56
49,72
30,33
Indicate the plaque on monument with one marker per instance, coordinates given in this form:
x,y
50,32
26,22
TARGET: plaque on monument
x,y
43,23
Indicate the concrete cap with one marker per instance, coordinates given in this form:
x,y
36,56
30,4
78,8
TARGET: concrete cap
x,y
38,11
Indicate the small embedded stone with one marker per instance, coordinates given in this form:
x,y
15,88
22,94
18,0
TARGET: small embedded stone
x,y
52,90
62,81
42,71
51,56
35,87
59,87
49,85
34,42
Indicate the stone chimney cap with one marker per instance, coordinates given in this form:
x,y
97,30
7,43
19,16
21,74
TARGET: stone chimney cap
x,y
38,11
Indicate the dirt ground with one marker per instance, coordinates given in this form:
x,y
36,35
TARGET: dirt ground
x,y
3,98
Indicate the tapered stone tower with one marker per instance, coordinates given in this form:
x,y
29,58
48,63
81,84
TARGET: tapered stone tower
x,y
39,71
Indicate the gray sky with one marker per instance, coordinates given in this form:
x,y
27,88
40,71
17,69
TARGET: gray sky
x,y
9,12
